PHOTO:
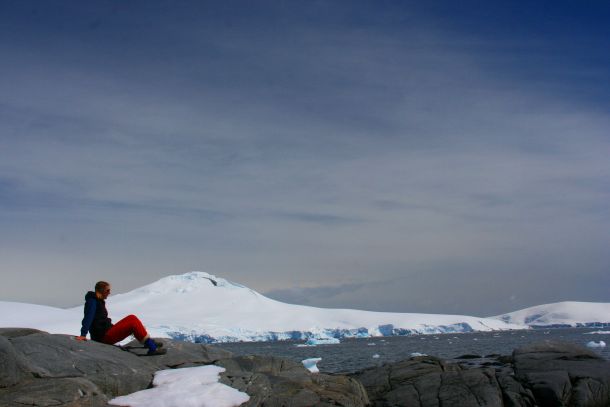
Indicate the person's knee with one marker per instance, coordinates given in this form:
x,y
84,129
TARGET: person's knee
x,y
133,319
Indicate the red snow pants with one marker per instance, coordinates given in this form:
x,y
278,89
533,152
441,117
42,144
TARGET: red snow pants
x,y
130,325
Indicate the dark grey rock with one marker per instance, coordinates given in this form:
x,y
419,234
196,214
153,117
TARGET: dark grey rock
x,y
12,367
429,381
181,354
39,369
546,374
513,392
274,382
563,374
64,392
11,333
114,371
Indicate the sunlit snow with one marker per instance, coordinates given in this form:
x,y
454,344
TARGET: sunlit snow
x,y
186,387
200,307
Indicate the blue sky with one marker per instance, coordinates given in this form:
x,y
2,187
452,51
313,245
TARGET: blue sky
x,y
380,155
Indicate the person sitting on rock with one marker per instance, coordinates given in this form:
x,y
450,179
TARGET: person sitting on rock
x,y
101,328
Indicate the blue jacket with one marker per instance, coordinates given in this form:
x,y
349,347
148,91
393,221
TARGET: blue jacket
x,y
96,319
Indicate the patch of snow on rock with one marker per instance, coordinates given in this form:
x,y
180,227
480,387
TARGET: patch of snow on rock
x,y
187,387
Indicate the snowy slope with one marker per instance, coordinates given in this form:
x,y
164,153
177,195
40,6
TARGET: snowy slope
x,y
50,319
191,304
201,307
570,313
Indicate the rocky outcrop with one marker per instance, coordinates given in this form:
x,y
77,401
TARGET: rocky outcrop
x,y
561,374
545,374
39,369
275,382
429,381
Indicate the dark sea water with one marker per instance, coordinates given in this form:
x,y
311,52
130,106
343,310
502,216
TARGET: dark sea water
x,y
355,354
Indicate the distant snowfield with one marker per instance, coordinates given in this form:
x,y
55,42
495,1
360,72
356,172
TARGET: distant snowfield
x,y
570,313
200,307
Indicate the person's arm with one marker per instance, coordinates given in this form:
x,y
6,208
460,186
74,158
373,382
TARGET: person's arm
x,y
90,306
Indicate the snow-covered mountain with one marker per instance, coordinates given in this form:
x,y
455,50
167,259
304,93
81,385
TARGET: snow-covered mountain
x,y
200,307
567,313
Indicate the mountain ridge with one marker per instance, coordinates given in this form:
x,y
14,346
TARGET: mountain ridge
x,y
200,307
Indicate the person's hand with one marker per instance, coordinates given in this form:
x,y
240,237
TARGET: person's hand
x,y
81,338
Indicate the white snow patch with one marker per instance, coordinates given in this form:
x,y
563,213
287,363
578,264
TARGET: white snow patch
x,y
572,313
593,344
311,364
597,332
376,356
415,354
186,387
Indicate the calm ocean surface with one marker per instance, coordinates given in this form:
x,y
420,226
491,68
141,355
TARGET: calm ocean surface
x,y
355,354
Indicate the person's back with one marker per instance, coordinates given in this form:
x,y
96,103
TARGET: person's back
x,y
96,317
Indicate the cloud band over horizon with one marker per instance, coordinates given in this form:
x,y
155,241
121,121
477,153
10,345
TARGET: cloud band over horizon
x,y
398,147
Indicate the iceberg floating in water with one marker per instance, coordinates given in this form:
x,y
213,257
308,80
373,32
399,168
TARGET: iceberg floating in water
x,y
311,364
593,344
322,341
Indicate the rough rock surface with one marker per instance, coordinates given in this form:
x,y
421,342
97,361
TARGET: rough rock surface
x,y
275,382
561,374
544,374
39,369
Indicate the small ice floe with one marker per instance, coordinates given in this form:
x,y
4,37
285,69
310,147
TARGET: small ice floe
x,y
371,344
597,332
475,339
376,356
319,341
322,341
311,364
415,354
593,344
